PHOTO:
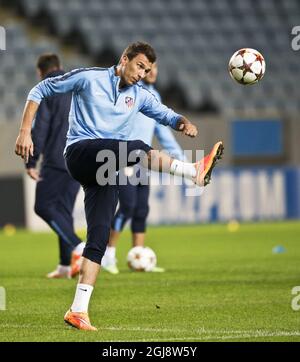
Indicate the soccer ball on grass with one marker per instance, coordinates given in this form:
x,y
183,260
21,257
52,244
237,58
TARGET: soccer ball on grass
x,y
141,258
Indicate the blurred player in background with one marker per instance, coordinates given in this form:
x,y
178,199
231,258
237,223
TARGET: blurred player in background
x,y
56,190
105,103
133,199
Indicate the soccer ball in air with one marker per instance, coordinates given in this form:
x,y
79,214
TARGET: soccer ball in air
x,y
141,258
247,66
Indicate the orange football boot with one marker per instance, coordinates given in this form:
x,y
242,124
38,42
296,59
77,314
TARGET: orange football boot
x,y
79,320
205,166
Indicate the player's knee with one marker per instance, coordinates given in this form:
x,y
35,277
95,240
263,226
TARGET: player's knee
x,y
46,211
127,211
143,153
142,212
94,252
41,210
97,240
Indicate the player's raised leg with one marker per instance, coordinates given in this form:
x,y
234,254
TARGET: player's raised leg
x,y
199,172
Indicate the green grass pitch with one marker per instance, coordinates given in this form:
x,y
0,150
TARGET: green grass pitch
x,y
219,286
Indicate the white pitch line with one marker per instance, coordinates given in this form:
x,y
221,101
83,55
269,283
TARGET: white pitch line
x,y
207,334
199,331
201,334
212,337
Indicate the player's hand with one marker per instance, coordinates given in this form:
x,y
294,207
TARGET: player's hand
x,y
24,145
33,173
187,128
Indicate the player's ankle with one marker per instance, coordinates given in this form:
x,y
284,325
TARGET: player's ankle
x,y
185,169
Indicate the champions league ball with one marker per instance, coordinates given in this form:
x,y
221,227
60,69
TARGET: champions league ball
x,y
247,66
141,258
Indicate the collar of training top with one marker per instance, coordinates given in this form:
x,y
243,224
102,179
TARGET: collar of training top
x,y
55,73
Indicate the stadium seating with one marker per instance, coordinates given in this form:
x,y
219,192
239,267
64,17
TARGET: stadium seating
x,y
194,41
17,68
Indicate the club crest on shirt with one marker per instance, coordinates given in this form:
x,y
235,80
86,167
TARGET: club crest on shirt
x,y
129,102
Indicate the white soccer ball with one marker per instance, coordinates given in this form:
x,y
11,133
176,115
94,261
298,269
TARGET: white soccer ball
x,y
141,258
247,66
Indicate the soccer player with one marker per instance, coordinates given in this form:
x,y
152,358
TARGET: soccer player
x,y
133,198
56,190
105,102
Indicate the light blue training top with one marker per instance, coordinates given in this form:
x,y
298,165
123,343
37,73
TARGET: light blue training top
x,y
146,128
99,109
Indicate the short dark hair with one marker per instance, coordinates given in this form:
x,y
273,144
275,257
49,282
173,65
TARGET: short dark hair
x,y
140,48
48,61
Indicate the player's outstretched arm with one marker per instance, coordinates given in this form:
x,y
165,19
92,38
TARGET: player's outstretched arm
x,y
24,144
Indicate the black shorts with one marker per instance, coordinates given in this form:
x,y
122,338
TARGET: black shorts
x,y
81,157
